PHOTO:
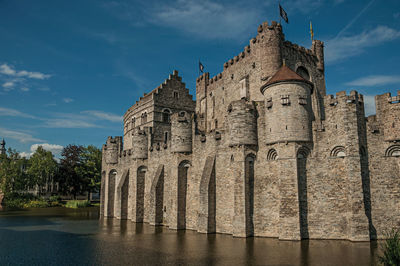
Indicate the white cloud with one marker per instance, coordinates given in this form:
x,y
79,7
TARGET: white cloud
x,y
10,71
375,80
369,104
43,89
7,70
207,19
68,123
24,89
104,116
344,47
8,84
27,155
12,112
68,100
19,136
54,148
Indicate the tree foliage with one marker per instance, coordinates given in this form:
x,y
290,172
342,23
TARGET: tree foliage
x,y
12,172
78,171
90,168
42,167
69,180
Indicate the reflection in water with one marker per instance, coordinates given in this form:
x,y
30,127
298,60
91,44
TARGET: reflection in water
x,y
60,236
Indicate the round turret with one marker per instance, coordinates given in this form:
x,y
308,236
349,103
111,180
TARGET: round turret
x,y
288,107
242,123
271,38
139,144
112,150
181,132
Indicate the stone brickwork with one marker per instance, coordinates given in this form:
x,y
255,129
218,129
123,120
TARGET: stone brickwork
x,y
263,151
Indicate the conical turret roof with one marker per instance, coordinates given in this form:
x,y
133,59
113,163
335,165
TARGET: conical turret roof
x,y
284,74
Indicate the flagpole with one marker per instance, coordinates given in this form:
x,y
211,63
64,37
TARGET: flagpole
x,y
280,17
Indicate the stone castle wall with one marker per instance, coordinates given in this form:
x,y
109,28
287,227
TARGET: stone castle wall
x,y
291,162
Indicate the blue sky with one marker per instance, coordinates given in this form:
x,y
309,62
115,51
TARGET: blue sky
x,y
70,69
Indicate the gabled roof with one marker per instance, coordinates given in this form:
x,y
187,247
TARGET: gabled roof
x,y
284,74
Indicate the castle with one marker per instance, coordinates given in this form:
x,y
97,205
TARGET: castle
x,y
263,151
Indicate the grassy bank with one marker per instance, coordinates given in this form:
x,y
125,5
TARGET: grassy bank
x,y
77,204
24,201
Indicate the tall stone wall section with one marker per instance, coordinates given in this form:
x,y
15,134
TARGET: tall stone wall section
x,y
383,155
236,169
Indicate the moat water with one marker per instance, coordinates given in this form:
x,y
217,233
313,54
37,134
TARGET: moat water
x,y
60,236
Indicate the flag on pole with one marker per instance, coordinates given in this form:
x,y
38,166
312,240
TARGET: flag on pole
x,y
201,67
283,14
311,32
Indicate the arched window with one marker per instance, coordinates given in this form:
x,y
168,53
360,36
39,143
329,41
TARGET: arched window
x,y
393,151
303,72
303,153
166,115
338,151
133,122
144,118
272,155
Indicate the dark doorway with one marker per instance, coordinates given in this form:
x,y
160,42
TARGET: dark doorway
x,y
140,183
124,197
111,193
102,192
302,156
159,198
249,193
182,191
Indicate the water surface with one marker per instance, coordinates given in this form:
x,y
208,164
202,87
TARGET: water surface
x,y
60,236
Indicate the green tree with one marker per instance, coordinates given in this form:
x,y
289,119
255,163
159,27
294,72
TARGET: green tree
x,y
69,180
42,167
89,168
12,172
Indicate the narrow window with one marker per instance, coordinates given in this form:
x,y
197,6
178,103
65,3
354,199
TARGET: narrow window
x,y
144,118
176,95
213,106
166,116
165,137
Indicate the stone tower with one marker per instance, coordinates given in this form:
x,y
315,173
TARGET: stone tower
x,y
181,132
287,107
3,147
242,123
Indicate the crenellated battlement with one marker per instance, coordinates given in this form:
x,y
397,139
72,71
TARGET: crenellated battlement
x,y
342,98
389,98
239,57
112,149
388,115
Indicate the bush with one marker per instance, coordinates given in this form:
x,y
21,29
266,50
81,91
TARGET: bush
x,y
19,196
77,204
25,200
55,198
36,204
391,249
14,203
